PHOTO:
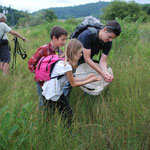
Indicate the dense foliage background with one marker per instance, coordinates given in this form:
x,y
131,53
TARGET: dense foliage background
x,y
121,9
93,9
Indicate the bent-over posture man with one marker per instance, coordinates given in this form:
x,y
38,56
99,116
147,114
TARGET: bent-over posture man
x,y
92,46
102,43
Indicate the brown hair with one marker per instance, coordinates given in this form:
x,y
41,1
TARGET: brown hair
x,y
57,31
114,27
71,49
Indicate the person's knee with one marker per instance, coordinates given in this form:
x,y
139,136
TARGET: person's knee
x,y
1,66
6,68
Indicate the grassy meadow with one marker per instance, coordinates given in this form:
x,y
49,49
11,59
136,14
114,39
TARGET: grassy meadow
x,y
118,119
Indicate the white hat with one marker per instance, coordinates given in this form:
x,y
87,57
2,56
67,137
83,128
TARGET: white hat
x,y
93,88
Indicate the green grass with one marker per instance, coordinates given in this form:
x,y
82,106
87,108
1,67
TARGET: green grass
x,y
118,119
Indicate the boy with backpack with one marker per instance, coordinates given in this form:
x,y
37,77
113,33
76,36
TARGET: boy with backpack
x,y
58,37
95,38
102,42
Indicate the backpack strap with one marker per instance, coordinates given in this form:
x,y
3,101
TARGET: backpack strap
x,y
40,63
2,36
94,33
94,37
58,77
51,70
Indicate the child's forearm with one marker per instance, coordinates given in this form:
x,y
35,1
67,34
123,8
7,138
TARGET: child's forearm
x,y
74,82
80,79
80,82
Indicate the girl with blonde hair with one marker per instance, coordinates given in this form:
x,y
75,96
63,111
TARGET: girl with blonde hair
x,y
53,89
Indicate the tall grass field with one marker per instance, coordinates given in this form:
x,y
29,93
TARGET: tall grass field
x,y
117,119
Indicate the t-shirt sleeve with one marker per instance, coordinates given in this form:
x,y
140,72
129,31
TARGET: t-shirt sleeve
x,y
67,68
7,28
107,48
61,69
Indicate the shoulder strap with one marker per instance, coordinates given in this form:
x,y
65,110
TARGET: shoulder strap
x,y
51,70
2,36
94,36
94,33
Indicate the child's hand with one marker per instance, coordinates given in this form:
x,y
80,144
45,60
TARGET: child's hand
x,y
90,76
95,78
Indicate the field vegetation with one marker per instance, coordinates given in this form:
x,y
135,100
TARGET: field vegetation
x,y
117,119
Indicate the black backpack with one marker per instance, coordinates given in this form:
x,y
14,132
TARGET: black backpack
x,y
90,23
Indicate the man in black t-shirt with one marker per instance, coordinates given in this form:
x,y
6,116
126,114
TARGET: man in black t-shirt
x,y
103,42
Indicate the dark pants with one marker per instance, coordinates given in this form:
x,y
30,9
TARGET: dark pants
x,y
62,106
5,53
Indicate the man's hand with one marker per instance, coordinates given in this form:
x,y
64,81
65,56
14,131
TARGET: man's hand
x,y
108,77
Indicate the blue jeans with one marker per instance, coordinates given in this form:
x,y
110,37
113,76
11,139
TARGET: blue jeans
x,y
67,90
39,91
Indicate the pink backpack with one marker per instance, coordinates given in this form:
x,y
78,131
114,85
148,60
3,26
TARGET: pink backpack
x,y
45,67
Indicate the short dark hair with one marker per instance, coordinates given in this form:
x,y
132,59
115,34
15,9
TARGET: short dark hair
x,y
57,31
114,27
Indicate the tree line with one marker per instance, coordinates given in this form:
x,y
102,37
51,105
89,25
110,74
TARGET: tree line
x,y
102,10
23,18
93,9
12,15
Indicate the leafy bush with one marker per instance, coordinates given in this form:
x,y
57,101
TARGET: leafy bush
x,y
121,10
